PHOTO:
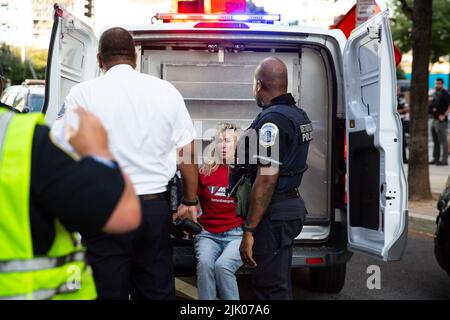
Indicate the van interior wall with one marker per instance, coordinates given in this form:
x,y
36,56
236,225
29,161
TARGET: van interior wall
x,y
217,87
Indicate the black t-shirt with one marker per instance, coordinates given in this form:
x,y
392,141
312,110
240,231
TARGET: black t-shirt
x,y
440,103
80,194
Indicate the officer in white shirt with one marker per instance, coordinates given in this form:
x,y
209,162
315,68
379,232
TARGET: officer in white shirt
x,y
148,125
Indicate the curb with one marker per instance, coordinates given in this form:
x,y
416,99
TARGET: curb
x,y
422,216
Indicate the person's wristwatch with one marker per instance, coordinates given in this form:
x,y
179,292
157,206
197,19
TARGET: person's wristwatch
x,y
246,228
189,203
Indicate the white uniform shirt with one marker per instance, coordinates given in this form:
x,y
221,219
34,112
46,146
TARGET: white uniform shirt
x,y
146,120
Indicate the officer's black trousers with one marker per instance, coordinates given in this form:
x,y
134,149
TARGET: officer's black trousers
x,y
136,265
272,251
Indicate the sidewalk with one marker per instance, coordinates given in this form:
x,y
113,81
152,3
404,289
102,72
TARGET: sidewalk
x,y
427,209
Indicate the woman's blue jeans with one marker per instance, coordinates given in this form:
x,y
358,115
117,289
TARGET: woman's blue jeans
x,y
218,259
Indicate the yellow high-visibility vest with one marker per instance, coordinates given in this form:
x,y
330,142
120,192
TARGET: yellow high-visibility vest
x,y
62,273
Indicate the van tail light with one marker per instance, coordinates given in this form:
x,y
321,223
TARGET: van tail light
x,y
315,261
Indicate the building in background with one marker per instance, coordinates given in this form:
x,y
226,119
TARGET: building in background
x,y
15,21
28,23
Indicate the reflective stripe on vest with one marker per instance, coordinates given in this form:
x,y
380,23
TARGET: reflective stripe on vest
x,y
46,294
41,263
5,119
22,275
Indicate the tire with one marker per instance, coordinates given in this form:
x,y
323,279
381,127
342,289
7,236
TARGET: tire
x,y
442,241
328,279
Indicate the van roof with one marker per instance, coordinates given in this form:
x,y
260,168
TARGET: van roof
x,y
249,27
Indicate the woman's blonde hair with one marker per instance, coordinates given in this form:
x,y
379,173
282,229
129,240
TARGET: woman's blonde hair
x,y
211,158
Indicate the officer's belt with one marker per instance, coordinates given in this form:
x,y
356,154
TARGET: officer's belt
x,y
293,173
154,196
290,194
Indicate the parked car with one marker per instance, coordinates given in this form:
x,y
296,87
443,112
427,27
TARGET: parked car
x,y
442,235
355,189
28,97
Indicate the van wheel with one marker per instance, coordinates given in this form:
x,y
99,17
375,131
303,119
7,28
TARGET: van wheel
x,y
328,279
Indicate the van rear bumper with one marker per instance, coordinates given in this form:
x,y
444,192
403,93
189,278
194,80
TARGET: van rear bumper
x,y
305,256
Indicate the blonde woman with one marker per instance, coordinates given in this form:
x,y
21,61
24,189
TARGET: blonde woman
x,y
217,246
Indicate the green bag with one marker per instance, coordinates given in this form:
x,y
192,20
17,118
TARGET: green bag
x,y
241,194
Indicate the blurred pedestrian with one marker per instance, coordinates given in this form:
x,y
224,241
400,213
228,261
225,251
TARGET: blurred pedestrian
x,y
440,108
403,110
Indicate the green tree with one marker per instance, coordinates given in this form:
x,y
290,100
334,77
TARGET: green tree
x,y
15,70
402,27
12,66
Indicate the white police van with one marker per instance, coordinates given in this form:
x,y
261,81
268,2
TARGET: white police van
x,y
355,189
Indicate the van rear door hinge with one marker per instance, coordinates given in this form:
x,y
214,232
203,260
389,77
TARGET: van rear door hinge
x,y
374,32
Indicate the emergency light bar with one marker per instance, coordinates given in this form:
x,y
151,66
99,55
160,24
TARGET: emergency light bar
x,y
266,18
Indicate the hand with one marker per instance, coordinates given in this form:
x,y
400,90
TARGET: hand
x,y
442,117
246,249
186,212
91,137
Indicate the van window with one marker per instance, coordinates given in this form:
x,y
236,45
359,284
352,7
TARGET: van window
x,y
35,102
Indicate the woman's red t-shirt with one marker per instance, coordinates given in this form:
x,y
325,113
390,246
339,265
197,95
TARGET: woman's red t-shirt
x,y
219,211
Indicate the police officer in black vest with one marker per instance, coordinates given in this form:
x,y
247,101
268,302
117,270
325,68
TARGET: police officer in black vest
x,y
276,164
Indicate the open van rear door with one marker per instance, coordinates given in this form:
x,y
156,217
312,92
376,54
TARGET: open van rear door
x,y
376,183
71,59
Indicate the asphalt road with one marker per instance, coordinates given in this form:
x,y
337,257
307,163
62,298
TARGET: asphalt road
x,y
416,276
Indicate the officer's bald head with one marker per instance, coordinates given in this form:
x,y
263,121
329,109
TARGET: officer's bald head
x,y
116,46
272,73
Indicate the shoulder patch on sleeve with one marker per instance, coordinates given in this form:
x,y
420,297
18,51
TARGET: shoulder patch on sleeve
x,y
61,112
306,132
268,134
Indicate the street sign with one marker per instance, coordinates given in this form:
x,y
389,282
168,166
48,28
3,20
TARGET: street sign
x,y
365,9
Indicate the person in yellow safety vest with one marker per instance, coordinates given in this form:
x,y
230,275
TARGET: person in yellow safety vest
x,y
45,196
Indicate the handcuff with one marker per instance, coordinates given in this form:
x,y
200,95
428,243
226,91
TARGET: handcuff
x,y
189,203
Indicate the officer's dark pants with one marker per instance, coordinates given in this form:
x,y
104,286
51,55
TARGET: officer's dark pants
x,y
272,251
439,134
137,265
